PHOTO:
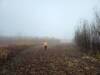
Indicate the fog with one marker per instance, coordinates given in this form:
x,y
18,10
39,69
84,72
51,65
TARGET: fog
x,y
44,18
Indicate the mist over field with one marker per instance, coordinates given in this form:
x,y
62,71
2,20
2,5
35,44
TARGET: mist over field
x,y
49,37
6,41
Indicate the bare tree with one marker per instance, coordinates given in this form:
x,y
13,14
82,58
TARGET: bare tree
x,y
87,36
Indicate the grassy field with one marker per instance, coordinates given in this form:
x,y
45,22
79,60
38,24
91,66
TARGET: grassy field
x,y
61,59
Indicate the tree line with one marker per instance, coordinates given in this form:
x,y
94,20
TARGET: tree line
x,y
87,35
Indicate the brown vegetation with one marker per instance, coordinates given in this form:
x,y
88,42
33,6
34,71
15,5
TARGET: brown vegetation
x,y
59,60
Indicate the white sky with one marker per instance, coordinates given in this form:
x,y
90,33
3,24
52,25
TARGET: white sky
x,y
52,18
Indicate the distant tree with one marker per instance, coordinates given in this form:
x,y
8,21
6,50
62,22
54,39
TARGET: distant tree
x,y
87,36
82,36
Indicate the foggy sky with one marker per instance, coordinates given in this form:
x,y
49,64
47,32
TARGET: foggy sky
x,y
51,18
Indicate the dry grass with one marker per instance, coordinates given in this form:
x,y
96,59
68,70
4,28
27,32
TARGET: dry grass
x,y
58,60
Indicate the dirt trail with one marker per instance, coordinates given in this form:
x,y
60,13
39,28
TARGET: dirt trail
x,y
53,61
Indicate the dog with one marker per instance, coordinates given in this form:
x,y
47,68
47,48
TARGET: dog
x,y
45,45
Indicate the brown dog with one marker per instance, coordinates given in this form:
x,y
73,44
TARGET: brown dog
x,y
45,45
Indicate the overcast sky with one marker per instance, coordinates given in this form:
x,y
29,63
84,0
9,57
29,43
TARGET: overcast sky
x,y
51,18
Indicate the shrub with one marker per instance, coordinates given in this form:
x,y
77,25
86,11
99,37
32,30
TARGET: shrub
x,y
3,53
